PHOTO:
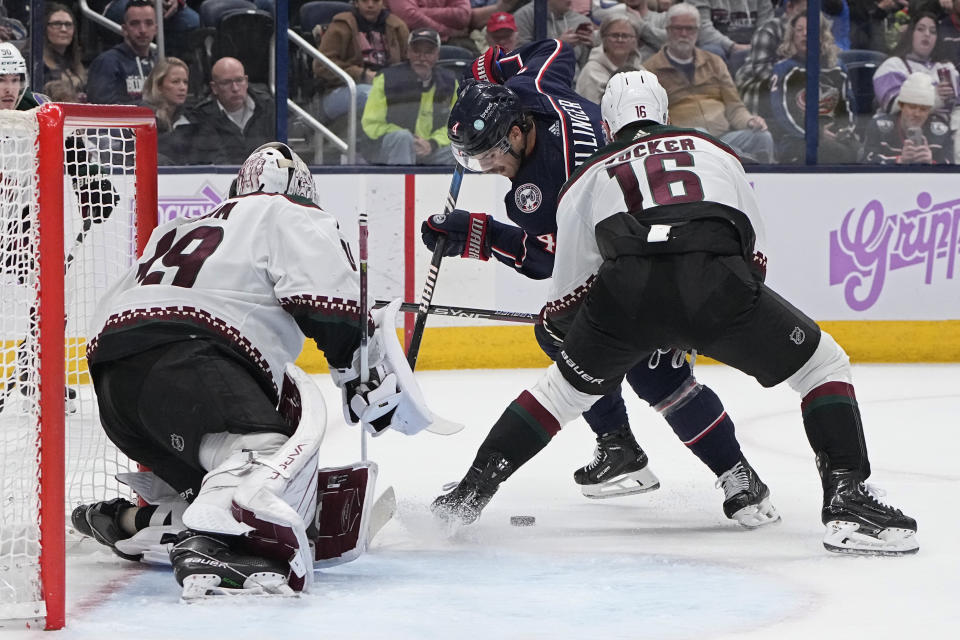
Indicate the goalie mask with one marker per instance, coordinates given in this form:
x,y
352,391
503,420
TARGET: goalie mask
x,y
12,63
275,168
631,97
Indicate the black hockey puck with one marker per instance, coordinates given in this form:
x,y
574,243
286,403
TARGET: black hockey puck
x,y
523,521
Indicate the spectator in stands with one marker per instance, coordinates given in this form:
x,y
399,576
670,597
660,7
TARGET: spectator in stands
x,y
869,21
502,31
362,42
912,134
562,23
919,49
837,142
12,30
617,52
165,91
701,92
61,52
482,10
178,20
232,122
949,32
116,76
753,76
727,26
407,110
449,18
651,25
61,91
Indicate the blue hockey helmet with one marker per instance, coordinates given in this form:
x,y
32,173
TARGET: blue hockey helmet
x,y
481,120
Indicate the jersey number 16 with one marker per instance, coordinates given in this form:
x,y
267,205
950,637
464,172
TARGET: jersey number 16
x,y
667,186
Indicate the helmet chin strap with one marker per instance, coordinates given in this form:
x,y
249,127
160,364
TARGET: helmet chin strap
x,y
523,149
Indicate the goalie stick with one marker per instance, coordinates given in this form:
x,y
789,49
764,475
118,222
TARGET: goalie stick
x,y
364,355
428,287
466,312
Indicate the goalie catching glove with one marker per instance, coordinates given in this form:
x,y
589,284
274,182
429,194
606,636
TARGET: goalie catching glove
x,y
391,398
467,234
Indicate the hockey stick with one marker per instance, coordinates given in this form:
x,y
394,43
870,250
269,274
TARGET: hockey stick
x,y
364,355
431,283
382,511
466,312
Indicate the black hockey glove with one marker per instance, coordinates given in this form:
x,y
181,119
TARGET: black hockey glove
x,y
96,198
467,233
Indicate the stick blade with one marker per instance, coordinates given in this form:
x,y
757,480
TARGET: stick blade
x,y
444,427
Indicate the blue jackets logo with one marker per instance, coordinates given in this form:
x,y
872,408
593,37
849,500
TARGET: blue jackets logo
x,y
528,197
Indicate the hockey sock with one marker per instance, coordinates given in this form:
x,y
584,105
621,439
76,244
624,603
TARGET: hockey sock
x,y
608,414
831,418
697,416
521,432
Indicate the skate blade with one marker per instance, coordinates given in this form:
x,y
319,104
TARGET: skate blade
x,y
757,515
845,537
628,484
203,586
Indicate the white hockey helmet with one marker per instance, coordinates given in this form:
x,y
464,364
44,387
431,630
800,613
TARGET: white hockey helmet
x,y
275,168
632,96
12,63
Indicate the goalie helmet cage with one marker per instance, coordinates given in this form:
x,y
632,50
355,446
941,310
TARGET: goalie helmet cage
x,y
59,251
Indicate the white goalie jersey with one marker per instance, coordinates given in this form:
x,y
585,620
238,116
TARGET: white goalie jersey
x,y
661,166
246,272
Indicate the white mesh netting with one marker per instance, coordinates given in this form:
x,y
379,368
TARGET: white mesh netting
x,y
99,244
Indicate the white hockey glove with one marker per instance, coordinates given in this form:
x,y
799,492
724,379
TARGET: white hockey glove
x,y
392,398
373,402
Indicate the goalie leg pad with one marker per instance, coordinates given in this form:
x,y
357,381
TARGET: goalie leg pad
x,y
278,497
341,526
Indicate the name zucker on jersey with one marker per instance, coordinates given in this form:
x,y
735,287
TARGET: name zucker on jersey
x,y
651,147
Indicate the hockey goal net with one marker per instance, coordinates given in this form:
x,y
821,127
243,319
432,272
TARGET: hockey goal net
x,y
78,199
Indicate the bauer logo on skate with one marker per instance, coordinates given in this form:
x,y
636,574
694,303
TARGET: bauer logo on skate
x,y
189,206
872,243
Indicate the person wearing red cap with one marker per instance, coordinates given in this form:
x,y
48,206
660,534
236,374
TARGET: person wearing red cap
x,y
482,10
502,31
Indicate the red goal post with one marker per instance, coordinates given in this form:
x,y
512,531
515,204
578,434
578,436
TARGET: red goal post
x,y
60,248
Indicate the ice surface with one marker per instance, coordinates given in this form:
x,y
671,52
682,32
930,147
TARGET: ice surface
x,y
666,564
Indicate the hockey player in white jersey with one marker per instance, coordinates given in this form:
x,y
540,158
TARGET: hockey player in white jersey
x,y
192,362
660,245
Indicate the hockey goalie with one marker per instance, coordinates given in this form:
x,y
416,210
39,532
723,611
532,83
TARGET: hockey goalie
x,y
192,363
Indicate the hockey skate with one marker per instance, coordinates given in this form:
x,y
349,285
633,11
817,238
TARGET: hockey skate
x,y
746,498
464,503
859,523
101,521
619,467
205,565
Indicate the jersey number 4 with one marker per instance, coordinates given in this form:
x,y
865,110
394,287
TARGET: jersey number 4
x,y
675,185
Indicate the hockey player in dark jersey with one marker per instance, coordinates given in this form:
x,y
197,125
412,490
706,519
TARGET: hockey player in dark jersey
x,y
662,230
530,127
